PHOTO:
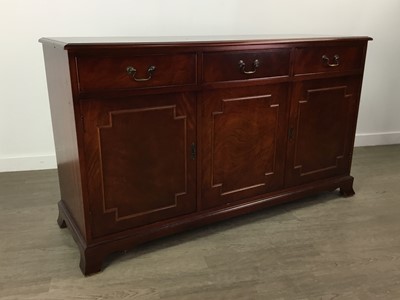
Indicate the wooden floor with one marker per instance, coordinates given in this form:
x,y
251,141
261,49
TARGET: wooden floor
x,y
323,247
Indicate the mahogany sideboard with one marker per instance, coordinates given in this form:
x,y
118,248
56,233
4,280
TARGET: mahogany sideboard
x,y
156,136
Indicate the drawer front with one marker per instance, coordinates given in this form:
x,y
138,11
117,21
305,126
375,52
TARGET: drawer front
x,y
328,59
105,73
242,65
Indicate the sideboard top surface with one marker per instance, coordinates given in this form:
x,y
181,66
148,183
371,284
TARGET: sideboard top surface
x,y
76,42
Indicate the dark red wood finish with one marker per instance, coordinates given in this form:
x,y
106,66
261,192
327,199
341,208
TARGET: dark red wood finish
x,y
139,164
66,123
200,141
224,66
108,71
323,117
310,60
243,132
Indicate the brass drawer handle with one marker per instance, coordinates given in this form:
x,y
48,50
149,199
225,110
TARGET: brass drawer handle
x,y
132,72
326,60
242,67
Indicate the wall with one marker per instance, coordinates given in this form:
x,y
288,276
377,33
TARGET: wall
x,y
25,129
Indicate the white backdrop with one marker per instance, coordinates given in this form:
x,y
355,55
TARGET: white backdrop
x,y
26,140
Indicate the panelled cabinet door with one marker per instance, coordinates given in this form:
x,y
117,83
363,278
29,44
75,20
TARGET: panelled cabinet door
x,y
138,157
322,124
243,132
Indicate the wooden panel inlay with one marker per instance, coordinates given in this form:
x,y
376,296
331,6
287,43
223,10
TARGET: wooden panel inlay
x,y
236,127
137,181
322,127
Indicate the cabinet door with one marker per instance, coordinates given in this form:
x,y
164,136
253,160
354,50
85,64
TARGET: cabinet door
x,y
323,119
243,137
139,163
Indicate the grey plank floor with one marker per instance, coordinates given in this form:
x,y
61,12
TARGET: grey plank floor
x,y
322,247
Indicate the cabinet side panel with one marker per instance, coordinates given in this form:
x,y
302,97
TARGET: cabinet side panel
x,y
64,131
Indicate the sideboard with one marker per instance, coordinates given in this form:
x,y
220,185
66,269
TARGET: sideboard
x,y
154,136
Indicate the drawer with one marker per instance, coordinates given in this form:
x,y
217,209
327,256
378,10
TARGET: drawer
x,y
129,72
241,65
328,59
